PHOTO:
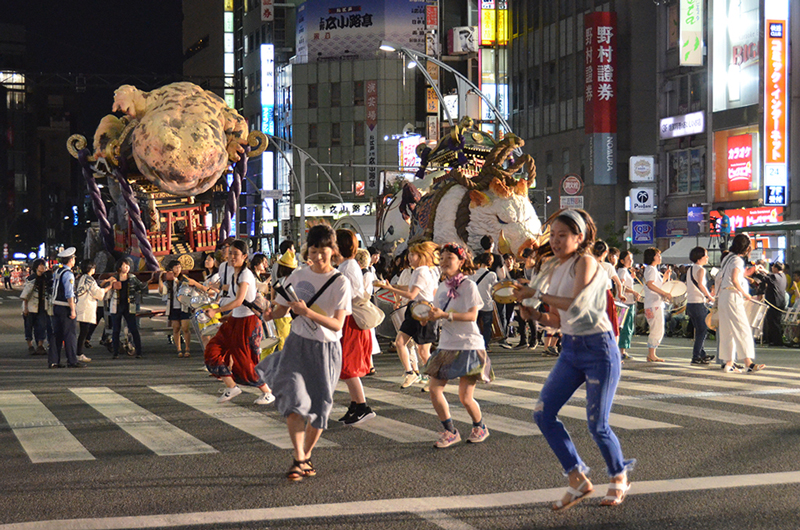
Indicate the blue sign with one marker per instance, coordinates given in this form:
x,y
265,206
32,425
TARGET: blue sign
x,y
642,232
694,214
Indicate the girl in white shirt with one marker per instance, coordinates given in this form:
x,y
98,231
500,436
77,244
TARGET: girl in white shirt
x,y
654,298
461,353
239,338
628,297
575,293
421,287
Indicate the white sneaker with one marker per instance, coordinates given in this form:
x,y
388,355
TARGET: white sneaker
x,y
264,399
229,394
409,380
84,359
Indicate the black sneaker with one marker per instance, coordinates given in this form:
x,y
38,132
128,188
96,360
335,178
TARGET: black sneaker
x,y
76,365
521,346
360,415
350,410
709,358
56,365
505,344
87,345
699,361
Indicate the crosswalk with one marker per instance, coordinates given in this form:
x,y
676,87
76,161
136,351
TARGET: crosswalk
x,y
680,394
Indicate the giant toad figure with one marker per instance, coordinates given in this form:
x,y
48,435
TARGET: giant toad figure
x,y
183,137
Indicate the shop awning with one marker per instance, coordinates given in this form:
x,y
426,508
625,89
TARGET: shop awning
x,y
778,227
678,253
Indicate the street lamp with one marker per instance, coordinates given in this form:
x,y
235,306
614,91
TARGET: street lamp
x,y
416,56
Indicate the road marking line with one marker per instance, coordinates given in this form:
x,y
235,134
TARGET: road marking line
x,y
494,422
42,436
394,506
654,404
443,520
786,378
568,411
392,429
253,423
152,431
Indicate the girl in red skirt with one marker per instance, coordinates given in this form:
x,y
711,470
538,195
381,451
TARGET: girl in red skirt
x,y
600,252
234,351
356,342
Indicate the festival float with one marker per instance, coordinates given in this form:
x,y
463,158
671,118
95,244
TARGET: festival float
x,y
170,147
468,186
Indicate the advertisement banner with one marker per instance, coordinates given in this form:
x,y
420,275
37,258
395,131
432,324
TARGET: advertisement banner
x,y
600,94
691,38
776,102
750,216
493,16
683,125
332,30
642,200
674,227
740,162
642,232
267,10
371,87
735,73
642,169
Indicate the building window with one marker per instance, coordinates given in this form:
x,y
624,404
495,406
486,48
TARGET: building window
x,y
548,168
686,170
358,133
358,93
312,135
336,134
336,94
565,160
313,98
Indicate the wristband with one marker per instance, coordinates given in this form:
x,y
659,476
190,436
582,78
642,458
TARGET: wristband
x,y
450,317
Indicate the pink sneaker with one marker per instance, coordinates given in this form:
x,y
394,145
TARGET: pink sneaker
x,y
478,435
447,438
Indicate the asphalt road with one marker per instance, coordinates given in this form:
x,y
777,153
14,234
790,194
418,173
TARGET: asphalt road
x,y
142,443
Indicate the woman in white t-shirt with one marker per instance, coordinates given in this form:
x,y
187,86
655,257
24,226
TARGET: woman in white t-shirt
x,y
462,352
628,297
654,298
576,299
304,374
234,351
421,287
600,251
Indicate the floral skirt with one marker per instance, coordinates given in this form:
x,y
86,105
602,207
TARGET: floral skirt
x,y
454,364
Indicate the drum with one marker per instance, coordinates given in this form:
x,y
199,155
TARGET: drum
x,y
270,338
199,299
678,291
206,326
397,316
622,312
185,293
755,311
504,292
420,310
639,288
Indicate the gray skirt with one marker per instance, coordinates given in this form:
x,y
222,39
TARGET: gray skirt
x,y
303,377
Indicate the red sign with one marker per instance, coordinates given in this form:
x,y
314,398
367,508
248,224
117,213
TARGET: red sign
x,y
431,17
750,216
571,184
740,162
600,77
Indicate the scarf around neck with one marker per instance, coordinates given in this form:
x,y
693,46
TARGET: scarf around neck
x,y
453,283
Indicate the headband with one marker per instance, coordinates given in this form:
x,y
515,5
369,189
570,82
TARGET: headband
x,y
576,217
456,249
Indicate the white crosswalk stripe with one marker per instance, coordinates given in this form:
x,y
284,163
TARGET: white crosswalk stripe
x,y
152,431
253,423
677,389
41,435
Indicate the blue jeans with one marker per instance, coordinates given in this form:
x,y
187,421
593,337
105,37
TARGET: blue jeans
x,y
36,326
485,325
594,360
697,314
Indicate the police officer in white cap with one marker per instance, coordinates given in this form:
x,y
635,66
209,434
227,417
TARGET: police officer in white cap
x,y
64,316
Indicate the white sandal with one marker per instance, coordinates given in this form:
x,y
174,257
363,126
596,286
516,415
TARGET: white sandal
x,y
613,500
577,496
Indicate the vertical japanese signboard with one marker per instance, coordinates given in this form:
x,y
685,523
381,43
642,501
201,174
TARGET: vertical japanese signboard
x,y
691,33
372,134
776,102
600,95
740,162
493,16
267,10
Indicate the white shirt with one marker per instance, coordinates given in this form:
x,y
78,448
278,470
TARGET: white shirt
x,y
225,281
423,277
651,298
725,276
562,284
485,287
626,280
693,293
350,269
609,268
246,276
337,296
459,335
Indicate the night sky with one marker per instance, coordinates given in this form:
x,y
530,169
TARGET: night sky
x,y
91,36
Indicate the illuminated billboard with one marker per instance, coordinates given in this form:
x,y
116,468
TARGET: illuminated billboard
x,y
493,16
268,89
691,33
333,30
776,102
735,67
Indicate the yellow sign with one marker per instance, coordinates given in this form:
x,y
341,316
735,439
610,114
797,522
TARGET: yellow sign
x,y
491,30
229,5
433,102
